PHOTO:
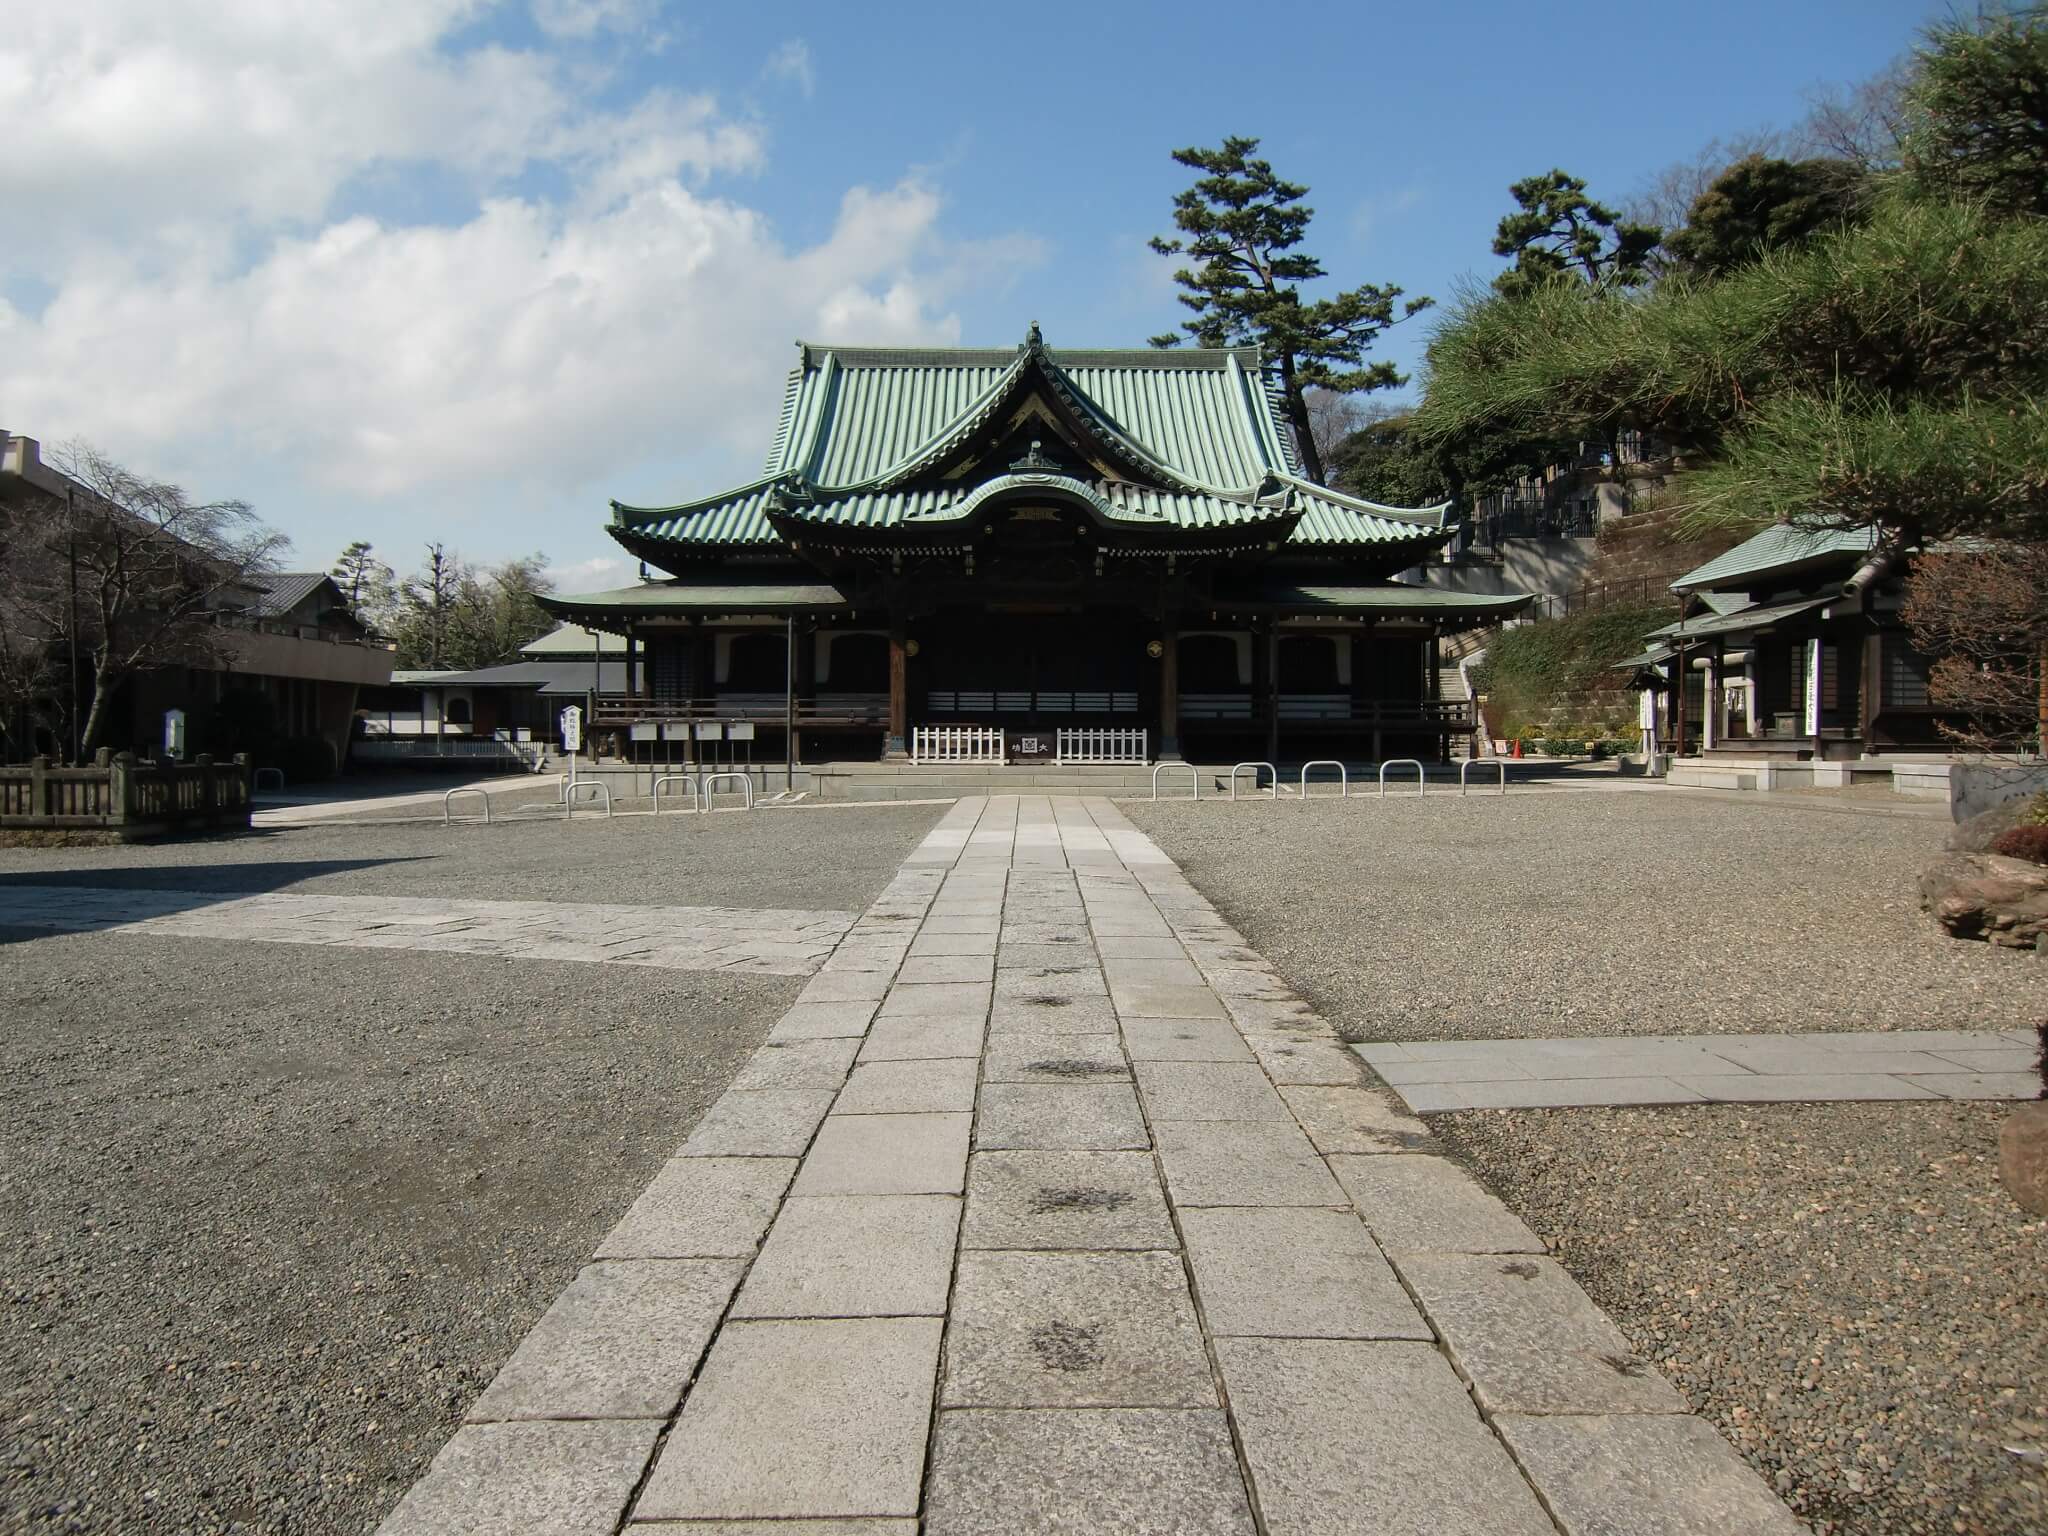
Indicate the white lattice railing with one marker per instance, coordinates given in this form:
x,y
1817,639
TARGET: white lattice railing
x,y
1101,746
956,744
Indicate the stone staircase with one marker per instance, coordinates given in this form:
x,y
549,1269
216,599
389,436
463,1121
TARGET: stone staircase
x,y
1451,688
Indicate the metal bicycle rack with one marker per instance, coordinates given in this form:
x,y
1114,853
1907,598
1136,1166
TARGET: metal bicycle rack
x,y
1272,773
1396,762
256,783
1194,777
677,778
569,802
447,818
1464,787
712,780
1343,776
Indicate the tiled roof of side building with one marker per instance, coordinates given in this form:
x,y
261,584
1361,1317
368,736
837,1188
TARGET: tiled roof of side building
x,y
1783,547
570,642
285,590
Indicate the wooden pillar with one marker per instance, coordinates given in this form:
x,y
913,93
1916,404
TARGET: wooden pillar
x,y
1433,691
1710,696
703,658
1812,703
789,702
1272,676
1169,690
806,675
1870,696
896,745
1679,663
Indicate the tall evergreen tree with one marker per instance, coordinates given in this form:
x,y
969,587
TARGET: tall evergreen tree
x,y
1762,204
1889,374
1242,226
1558,233
367,584
1976,114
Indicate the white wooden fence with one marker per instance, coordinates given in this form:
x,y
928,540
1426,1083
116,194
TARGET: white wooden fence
x,y
956,744
1107,745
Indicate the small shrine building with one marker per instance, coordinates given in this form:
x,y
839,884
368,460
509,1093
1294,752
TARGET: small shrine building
x,y
949,543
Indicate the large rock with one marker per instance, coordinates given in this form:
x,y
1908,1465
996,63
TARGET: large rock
x,y
1979,832
1985,896
2023,1158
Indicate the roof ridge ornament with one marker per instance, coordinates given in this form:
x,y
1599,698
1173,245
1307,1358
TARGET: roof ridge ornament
x,y
1038,462
1034,339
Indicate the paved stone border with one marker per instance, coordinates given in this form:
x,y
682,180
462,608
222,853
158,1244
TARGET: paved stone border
x,y
1438,1075
758,941
1051,1209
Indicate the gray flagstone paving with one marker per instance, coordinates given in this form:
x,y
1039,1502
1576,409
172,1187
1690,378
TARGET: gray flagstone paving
x,y
1837,1067
924,1262
762,942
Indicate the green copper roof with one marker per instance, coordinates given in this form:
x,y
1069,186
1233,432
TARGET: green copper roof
x,y
1175,440
1781,549
1325,517
854,414
1740,621
1389,597
698,596
1330,517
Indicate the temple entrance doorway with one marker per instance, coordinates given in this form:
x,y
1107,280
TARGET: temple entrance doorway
x,y
1033,671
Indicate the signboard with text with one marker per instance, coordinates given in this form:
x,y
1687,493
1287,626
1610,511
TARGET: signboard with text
x,y
572,729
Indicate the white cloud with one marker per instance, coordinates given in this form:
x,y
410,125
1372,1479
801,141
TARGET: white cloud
x,y
792,62
593,575
586,18
528,342
195,305
124,117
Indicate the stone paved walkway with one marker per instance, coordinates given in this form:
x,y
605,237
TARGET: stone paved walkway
x,y
1434,1075
1041,1212
762,942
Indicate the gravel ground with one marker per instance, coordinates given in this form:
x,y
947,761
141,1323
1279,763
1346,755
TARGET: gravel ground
x,y
271,1215
1844,1289
1591,913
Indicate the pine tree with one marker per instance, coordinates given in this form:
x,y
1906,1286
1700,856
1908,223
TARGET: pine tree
x,y
1243,226
1561,234
367,586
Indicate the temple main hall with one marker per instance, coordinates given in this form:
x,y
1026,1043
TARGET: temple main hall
x,y
1032,553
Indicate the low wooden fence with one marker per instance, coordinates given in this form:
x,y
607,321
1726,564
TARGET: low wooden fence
x,y
123,795
956,744
1107,745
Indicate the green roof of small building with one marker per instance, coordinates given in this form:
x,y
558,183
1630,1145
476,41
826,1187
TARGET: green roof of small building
x,y
1783,549
1741,620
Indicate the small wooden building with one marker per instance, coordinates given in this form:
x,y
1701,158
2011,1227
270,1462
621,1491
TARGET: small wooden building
x,y
1791,646
1106,555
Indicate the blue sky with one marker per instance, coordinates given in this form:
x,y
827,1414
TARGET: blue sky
x,y
404,269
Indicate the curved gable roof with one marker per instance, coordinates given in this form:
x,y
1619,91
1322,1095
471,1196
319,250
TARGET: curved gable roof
x,y
857,415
